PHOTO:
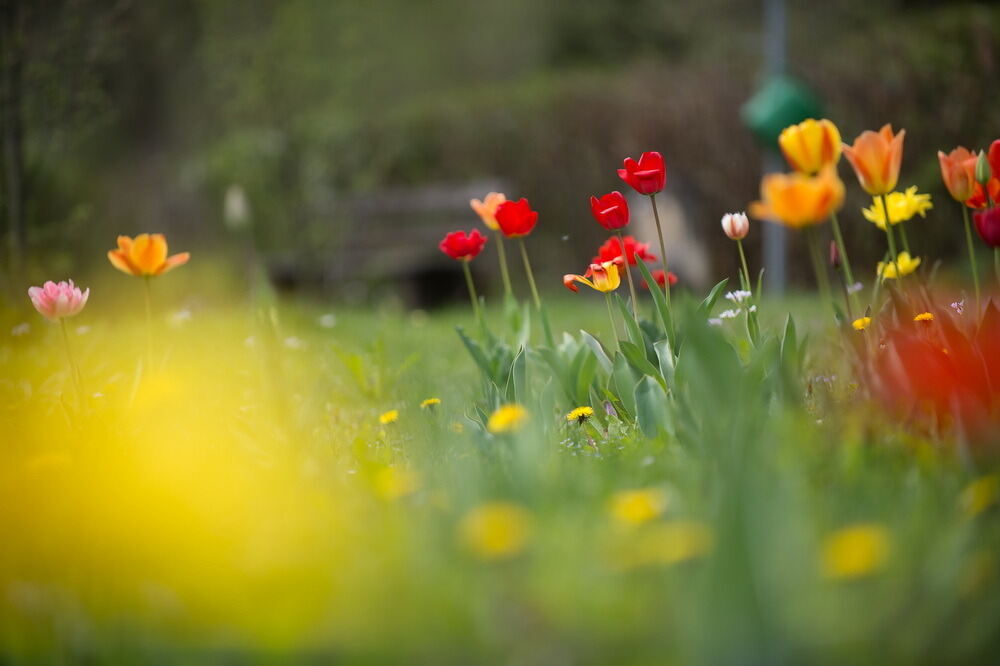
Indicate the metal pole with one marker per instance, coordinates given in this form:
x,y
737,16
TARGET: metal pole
x,y
775,235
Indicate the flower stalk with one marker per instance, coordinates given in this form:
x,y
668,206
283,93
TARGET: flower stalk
x,y
628,277
972,253
530,274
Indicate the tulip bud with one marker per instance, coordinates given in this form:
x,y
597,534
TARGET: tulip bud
x,y
982,169
736,225
834,255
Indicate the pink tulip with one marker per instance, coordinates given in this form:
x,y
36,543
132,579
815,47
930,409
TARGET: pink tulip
x,y
57,300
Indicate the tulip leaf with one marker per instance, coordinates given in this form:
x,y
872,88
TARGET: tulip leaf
x,y
660,301
477,353
624,380
598,349
706,305
517,381
637,359
665,355
634,332
585,376
652,408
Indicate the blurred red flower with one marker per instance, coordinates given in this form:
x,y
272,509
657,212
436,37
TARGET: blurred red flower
x,y
516,218
612,249
461,246
648,175
988,225
661,278
978,198
610,210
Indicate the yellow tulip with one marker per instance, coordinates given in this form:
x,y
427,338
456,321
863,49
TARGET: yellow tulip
x,y
604,277
810,145
902,207
144,256
796,200
906,263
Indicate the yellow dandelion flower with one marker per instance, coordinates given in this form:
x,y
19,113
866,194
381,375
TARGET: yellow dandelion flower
x,y
924,316
635,507
392,483
391,416
496,530
456,427
664,544
907,265
580,414
861,323
430,402
981,494
507,418
855,551
903,206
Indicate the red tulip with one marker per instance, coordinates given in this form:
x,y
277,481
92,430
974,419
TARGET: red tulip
x,y
978,198
648,175
462,247
610,211
612,249
516,218
988,225
661,278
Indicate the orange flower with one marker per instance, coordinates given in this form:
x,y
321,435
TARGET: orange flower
x,y
145,255
796,200
876,157
487,210
957,171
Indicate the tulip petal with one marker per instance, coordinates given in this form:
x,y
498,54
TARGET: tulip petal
x,y
173,262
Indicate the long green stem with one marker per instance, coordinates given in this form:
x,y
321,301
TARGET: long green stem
x,y
822,279
902,235
611,316
472,290
74,369
504,273
663,260
149,323
972,254
628,276
531,276
747,285
891,239
845,263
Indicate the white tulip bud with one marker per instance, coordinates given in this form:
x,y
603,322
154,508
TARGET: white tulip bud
x,y
736,225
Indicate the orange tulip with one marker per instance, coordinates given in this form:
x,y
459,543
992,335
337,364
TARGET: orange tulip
x,y
876,157
957,171
810,145
145,255
798,201
487,209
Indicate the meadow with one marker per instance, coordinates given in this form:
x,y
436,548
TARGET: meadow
x,y
221,475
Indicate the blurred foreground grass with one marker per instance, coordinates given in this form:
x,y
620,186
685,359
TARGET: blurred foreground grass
x,y
241,501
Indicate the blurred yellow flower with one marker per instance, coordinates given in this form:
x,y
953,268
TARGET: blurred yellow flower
x,y
507,418
391,416
430,402
796,200
664,544
902,207
855,551
907,265
392,483
981,494
810,145
580,414
456,427
635,507
924,316
496,530
861,323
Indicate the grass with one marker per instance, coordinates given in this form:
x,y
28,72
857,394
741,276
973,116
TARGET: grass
x,y
241,502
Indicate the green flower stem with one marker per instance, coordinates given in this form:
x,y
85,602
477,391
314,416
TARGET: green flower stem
x,y
74,369
504,273
611,316
845,263
822,280
531,276
746,271
628,277
891,239
972,254
472,290
663,260
902,234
